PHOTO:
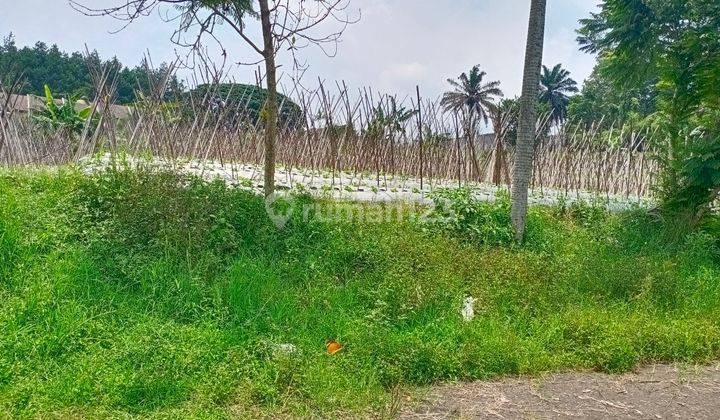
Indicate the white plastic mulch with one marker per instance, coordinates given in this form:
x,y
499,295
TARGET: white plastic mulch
x,y
350,186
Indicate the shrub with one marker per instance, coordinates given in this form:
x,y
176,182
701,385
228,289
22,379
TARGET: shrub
x,y
584,213
690,180
464,215
242,103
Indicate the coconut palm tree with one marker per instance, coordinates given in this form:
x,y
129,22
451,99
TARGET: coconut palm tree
x,y
528,115
472,97
555,85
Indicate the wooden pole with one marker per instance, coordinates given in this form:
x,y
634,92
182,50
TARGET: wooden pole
x,y
419,103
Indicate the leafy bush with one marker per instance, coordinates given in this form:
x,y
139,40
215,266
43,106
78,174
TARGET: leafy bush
x,y
671,63
64,118
183,218
690,181
464,215
242,103
587,214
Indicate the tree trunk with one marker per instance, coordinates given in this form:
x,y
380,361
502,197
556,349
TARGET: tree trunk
x,y
460,160
271,106
528,115
499,157
471,146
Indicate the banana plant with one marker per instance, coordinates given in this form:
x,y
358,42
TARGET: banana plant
x,y
386,123
64,118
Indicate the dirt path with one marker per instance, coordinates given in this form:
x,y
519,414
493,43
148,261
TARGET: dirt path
x,y
655,392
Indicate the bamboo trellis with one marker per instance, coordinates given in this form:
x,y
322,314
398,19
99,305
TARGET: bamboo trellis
x,y
334,137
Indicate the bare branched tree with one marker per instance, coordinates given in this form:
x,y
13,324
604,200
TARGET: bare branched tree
x,y
286,25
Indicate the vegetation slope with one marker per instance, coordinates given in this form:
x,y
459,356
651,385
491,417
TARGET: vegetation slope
x,y
153,295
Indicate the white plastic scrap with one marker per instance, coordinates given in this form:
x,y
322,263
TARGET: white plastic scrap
x,y
468,310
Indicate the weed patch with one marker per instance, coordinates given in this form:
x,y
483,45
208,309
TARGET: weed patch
x,y
154,294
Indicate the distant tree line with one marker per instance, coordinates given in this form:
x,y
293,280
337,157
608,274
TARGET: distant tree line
x,y
68,74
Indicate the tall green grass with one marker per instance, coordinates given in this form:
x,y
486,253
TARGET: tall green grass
x,y
131,293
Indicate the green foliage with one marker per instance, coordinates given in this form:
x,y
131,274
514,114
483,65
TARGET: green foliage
x,y
676,44
691,180
555,86
387,121
68,74
505,118
471,95
339,131
603,105
65,118
139,294
143,81
243,103
585,214
463,214
233,9
436,138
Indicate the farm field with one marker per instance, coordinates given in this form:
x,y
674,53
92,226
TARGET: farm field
x,y
353,186
374,209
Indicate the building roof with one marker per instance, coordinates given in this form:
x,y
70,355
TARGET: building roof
x,y
27,103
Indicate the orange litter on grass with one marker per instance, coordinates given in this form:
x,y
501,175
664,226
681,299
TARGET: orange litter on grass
x,y
333,346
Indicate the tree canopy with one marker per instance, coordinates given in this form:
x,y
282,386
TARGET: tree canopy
x,y
672,47
675,43
68,74
471,93
555,86
603,103
245,102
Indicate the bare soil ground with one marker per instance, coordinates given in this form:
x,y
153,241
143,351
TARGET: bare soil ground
x,y
654,392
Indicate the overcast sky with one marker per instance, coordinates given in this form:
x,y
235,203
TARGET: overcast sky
x,y
396,45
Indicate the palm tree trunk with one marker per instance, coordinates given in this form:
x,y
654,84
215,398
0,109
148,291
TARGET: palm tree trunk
x,y
471,146
460,160
271,106
499,158
528,116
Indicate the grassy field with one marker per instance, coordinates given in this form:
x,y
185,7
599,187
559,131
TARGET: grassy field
x,y
150,295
